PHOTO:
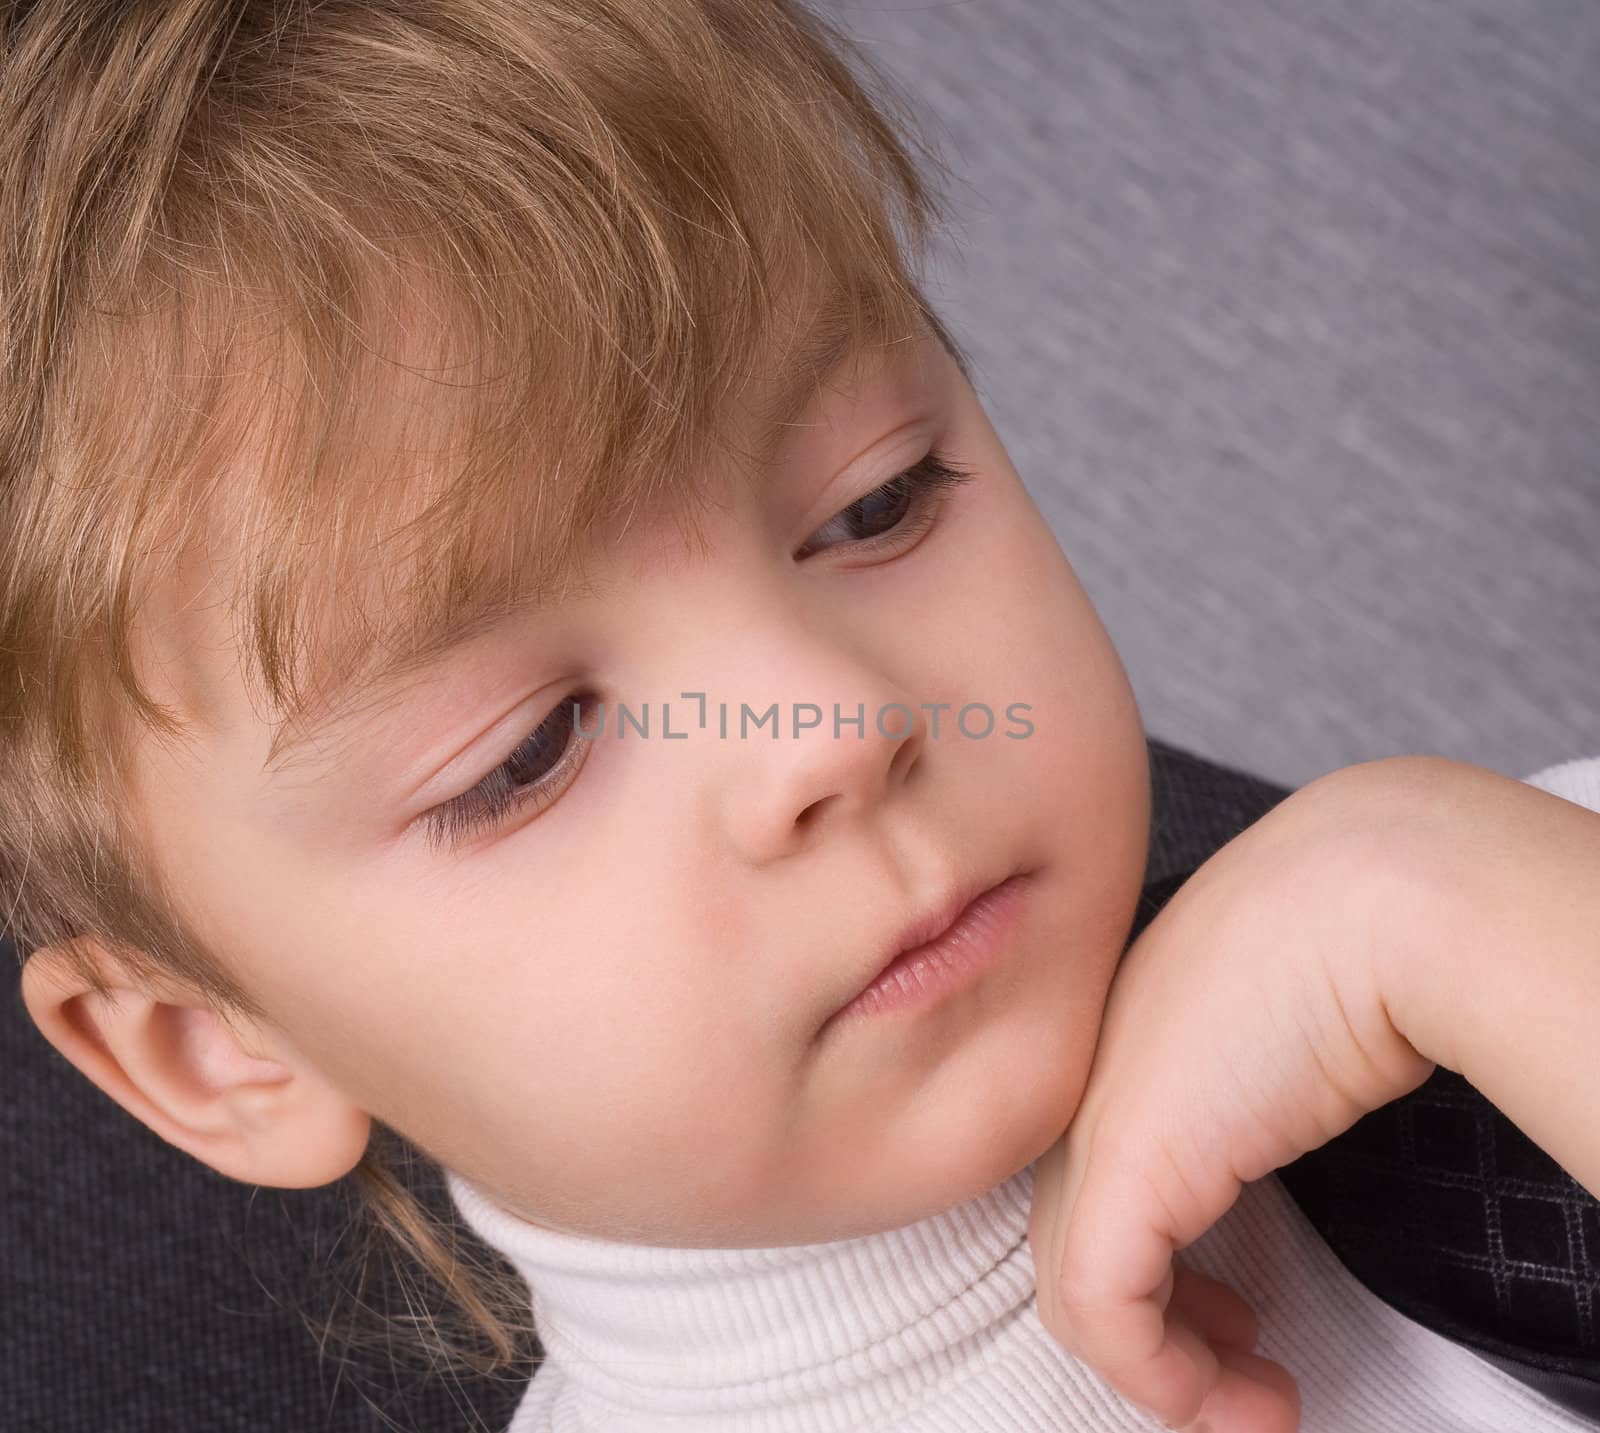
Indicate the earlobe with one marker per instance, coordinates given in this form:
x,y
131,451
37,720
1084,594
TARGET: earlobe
x,y
249,1107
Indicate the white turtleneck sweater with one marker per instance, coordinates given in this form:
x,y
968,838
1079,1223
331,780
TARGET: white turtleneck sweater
x,y
934,1327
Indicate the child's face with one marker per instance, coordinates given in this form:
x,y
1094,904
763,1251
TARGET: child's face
x,y
605,1007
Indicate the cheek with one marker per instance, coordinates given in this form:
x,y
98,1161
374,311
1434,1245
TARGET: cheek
x,y
602,1044
1025,626
649,1120
1082,773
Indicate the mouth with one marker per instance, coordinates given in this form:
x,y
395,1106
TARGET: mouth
x,y
958,937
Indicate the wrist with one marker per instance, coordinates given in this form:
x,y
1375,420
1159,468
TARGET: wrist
x,y
1479,906
1395,905
1494,967
1379,915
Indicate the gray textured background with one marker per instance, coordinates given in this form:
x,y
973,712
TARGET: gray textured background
x,y
1289,314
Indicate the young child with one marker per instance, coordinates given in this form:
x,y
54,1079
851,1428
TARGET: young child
x,y
394,396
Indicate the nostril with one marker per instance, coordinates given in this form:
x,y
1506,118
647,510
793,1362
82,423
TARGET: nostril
x,y
808,815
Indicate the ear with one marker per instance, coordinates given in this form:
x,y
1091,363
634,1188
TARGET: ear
x,y
246,1104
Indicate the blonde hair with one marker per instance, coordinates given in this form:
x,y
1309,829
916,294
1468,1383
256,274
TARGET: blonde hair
x,y
207,207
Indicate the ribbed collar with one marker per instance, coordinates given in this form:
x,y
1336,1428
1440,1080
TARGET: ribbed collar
x,y
804,1331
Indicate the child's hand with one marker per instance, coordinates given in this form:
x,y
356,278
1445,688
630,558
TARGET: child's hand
x,y
1244,1027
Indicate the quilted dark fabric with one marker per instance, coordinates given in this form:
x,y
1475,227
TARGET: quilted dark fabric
x,y
143,1293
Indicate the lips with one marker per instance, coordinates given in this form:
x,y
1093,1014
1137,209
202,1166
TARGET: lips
x,y
943,914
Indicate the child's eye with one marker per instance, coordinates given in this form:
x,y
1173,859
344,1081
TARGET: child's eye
x,y
538,770
881,517
542,767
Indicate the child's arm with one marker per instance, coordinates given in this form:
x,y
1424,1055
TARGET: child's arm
x,y
1383,919
1498,887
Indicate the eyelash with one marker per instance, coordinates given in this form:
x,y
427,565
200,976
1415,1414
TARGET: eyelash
x,y
926,485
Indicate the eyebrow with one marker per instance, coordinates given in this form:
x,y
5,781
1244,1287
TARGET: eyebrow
x,y
390,682
823,346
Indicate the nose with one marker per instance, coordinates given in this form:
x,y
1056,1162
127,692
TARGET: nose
x,y
810,777
817,731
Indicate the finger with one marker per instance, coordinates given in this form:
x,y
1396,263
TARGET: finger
x,y
1213,1308
1251,1395
1160,1367
1115,1282
1057,1180
1201,1324
1171,1382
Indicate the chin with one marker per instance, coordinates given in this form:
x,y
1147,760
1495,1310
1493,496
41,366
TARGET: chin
x,y
1009,1143
1044,1119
